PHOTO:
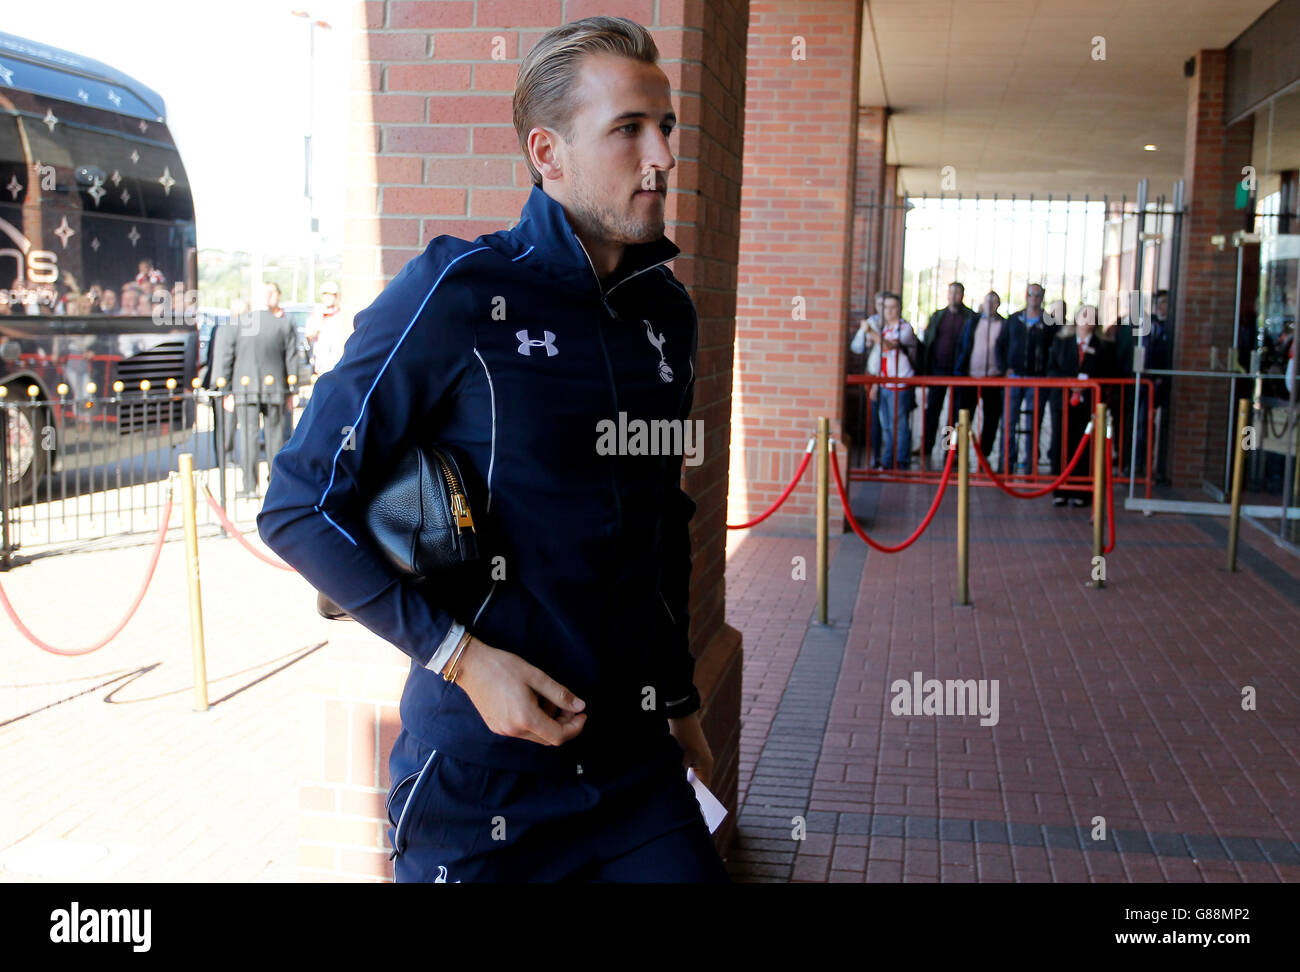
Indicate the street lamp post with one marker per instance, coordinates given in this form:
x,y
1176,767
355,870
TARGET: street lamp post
x,y
312,24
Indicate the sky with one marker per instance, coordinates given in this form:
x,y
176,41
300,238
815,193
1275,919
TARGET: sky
x,y
1055,244
234,78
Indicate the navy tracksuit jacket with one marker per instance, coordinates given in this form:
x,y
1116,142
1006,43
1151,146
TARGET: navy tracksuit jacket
x,y
510,350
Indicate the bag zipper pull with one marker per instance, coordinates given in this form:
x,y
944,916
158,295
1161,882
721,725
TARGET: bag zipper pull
x,y
461,511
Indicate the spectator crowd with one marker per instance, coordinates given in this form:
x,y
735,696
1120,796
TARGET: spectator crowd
x,y
1035,341
135,297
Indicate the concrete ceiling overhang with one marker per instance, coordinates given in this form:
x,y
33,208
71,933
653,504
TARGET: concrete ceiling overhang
x,y
1009,94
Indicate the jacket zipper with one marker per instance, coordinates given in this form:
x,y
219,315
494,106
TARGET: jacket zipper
x,y
613,395
604,293
630,275
609,367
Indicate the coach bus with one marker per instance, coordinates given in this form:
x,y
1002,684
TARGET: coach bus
x,y
96,233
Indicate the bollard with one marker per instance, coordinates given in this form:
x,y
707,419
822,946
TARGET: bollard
x,y
1295,487
1098,490
192,572
1238,467
221,444
963,506
823,512
4,486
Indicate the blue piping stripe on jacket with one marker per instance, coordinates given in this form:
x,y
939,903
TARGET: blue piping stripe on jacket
x,y
335,525
356,424
492,458
492,590
410,798
669,277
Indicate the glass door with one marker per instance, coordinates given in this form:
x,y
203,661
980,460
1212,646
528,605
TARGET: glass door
x,y
1273,464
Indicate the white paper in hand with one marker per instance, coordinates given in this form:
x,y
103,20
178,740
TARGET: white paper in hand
x,y
712,809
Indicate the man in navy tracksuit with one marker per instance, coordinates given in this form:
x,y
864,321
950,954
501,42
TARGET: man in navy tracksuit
x,y
945,350
558,750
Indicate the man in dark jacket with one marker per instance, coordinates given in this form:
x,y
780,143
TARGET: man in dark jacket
x,y
1039,342
265,347
1077,352
221,348
945,346
1025,358
1159,354
550,705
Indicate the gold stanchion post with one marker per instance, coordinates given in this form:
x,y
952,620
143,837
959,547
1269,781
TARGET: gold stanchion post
x,y
823,513
1098,493
192,573
963,506
1238,471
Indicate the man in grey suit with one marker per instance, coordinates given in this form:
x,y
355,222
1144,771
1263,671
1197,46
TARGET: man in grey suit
x,y
265,344
221,348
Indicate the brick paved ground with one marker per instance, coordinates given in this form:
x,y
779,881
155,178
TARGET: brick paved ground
x,y
106,752
773,614
1122,703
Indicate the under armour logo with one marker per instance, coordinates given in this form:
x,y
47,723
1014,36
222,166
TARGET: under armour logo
x,y
526,344
665,372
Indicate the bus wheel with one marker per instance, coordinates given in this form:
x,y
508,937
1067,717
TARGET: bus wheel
x,y
25,423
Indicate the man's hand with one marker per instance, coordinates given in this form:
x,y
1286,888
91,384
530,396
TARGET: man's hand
x,y
516,698
696,752
891,344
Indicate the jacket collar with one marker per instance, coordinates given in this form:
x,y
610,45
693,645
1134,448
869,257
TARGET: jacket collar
x,y
544,226
963,312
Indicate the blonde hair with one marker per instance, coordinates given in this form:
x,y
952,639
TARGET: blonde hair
x,y
543,92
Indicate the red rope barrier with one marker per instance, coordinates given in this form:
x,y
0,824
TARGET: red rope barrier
x,y
130,612
807,454
235,532
1032,493
916,534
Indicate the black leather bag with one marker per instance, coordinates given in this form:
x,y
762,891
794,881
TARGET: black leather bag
x,y
419,517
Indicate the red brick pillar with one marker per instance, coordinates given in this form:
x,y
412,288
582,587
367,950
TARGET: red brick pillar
x,y
869,215
1288,184
1214,157
793,305
891,241
433,151
352,724
866,273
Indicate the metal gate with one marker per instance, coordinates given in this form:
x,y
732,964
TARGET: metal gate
x,y
1114,253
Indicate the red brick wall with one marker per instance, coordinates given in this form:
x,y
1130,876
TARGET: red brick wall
x,y
433,151
1213,161
797,205
344,778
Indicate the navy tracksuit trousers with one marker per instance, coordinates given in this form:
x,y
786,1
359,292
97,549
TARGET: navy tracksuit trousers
x,y
454,820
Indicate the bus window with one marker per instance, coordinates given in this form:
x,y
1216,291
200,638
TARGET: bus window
x,y
120,175
119,200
